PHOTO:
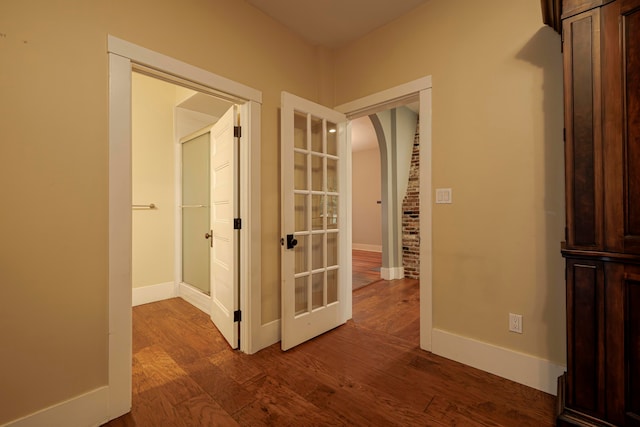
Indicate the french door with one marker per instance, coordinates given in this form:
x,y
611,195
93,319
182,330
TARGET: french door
x,y
316,240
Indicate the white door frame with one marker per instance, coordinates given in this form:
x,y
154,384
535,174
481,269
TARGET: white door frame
x,y
123,57
419,89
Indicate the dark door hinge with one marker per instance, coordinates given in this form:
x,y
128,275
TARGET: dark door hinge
x,y
237,316
237,131
237,223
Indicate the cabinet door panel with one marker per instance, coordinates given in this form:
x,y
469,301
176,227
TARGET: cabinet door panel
x,y
584,129
631,72
614,344
584,318
632,348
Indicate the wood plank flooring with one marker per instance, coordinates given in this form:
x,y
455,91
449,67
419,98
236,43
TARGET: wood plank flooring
x,y
365,267
369,372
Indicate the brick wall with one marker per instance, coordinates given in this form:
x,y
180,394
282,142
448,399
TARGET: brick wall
x,y
411,215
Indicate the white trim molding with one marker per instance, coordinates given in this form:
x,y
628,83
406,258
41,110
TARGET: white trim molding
x,y
153,293
366,247
120,235
89,409
194,297
522,368
389,98
416,90
166,64
392,273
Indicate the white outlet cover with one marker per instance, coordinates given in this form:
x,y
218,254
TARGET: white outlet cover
x,y
443,196
515,323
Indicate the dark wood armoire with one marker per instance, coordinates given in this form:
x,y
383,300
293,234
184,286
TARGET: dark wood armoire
x,y
601,50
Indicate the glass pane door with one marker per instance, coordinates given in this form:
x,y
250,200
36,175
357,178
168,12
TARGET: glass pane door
x,y
315,244
316,213
195,212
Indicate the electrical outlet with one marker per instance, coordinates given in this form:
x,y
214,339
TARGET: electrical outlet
x,y
515,323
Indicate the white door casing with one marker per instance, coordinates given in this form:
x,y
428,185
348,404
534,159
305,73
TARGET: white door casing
x,y
224,209
123,56
416,90
316,227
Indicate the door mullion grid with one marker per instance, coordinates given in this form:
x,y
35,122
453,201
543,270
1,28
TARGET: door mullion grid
x,y
309,247
325,189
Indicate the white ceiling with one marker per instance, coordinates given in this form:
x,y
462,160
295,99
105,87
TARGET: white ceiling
x,y
334,23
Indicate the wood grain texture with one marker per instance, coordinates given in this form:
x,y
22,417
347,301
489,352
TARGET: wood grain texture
x,y
365,268
602,251
368,372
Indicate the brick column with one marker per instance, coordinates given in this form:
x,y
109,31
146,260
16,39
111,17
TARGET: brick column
x,y
411,215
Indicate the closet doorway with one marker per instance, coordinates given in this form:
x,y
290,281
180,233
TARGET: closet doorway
x,y
184,188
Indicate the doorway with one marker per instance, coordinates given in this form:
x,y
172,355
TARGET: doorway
x,y
385,195
125,57
298,144
184,159
419,91
366,203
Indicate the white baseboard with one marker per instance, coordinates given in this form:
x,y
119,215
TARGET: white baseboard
x,y
195,297
522,368
365,247
392,273
89,409
153,293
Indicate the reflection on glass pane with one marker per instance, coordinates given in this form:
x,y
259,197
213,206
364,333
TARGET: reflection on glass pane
x,y
332,212
332,139
332,249
195,219
195,171
301,295
300,130
316,135
317,212
317,291
195,248
317,173
300,208
301,254
332,286
317,251
300,171
332,175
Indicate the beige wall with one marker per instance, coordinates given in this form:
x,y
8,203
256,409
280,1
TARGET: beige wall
x,y
497,141
366,186
153,175
53,124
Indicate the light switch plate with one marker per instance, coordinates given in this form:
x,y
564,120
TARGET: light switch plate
x,y
443,195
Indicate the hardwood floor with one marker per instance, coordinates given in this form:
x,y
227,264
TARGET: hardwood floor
x,y
365,267
369,372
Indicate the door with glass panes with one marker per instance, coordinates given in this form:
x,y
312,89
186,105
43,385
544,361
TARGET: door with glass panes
x,y
316,245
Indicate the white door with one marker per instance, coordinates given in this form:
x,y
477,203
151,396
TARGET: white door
x,y
224,243
316,244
